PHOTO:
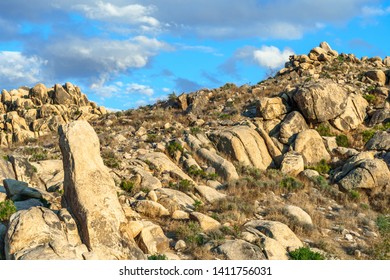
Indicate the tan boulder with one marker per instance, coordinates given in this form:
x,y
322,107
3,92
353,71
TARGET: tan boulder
x,y
89,192
37,234
310,144
152,239
291,126
210,194
39,94
206,223
150,208
298,214
243,144
354,114
377,76
278,231
321,101
240,250
272,107
292,164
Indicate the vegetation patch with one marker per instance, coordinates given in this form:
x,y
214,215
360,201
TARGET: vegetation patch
x,y
305,253
342,141
7,208
174,147
158,257
322,167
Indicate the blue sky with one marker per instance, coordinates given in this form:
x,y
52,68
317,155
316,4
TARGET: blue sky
x,y
125,53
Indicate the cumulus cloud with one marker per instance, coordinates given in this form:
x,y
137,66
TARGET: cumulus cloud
x,y
94,57
134,14
18,69
139,89
271,57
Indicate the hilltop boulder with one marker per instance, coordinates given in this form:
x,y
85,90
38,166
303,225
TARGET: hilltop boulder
x,y
321,101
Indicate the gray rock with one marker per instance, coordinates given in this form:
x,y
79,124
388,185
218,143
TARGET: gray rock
x,y
380,141
321,101
17,190
27,204
90,195
240,250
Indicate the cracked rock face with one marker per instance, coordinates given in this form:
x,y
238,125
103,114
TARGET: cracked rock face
x,y
322,101
38,234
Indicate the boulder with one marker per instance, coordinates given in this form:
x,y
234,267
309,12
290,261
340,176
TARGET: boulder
x,y
354,114
361,172
61,96
6,170
377,76
37,234
152,240
174,199
210,194
321,101
272,107
298,214
243,144
292,164
291,126
240,250
206,223
89,193
278,231
380,141
17,190
27,204
224,168
150,208
309,143
39,94
273,250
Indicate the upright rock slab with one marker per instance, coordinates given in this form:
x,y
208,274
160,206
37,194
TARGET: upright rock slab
x,y
89,192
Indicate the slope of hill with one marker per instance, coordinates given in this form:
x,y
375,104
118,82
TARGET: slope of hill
x,y
300,160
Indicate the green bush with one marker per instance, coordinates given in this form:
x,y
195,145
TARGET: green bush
x,y
7,208
305,253
324,129
110,159
195,130
290,184
369,97
354,194
322,167
342,141
383,223
158,257
174,147
367,135
127,185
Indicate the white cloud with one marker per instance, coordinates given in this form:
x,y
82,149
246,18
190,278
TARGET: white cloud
x,y
98,57
371,11
271,57
16,69
134,14
135,88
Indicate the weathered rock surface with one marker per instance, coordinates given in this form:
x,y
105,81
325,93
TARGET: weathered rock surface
x,y
354,114
150,208
291,126
240,250
298,214
243,144
89,192
309,143
152,239
272,108
206,223
292,164
380,141
278,231
321,101
209,193
37,234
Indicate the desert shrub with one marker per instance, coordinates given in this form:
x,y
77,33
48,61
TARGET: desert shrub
x,y
305,253
383,223
369,97
196,172
158,257
153,138
182,185
190,232
322,167
110,159
342,141
354,194
324,129
127,185
290,184
174,147
321,182
7,208
195,130
367,135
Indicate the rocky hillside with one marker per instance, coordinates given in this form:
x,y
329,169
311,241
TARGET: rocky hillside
x,y
294,167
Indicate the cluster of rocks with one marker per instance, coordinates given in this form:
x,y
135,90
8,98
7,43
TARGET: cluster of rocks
x,y
160,176
28,113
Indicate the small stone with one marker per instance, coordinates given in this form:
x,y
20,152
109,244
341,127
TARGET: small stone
x,y
180,245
